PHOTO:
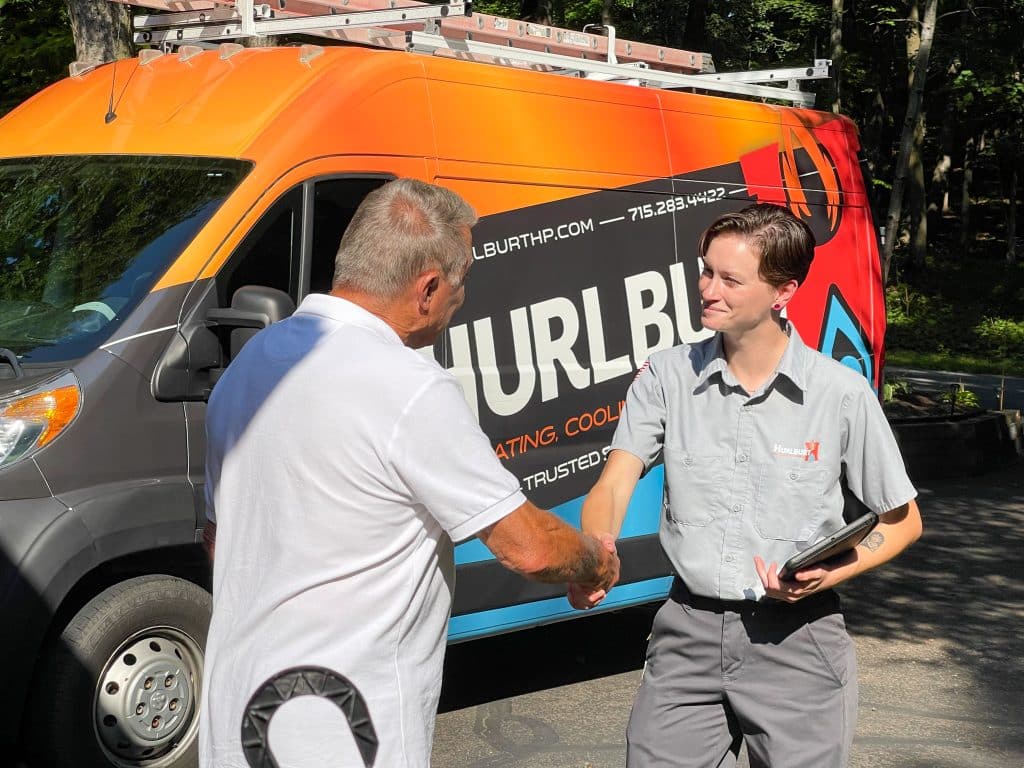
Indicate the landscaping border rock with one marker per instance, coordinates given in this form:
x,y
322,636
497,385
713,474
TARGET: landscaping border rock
x,y
958,446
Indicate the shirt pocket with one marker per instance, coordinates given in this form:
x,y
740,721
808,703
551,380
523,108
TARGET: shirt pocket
x,y
789,503
697,485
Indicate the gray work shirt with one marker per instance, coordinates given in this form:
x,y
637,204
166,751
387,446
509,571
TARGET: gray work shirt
x,y
758,473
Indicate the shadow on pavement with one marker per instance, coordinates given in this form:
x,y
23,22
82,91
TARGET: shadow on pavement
x,y
959,587
589,648
959,593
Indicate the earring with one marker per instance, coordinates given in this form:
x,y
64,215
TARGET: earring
x,y
776,307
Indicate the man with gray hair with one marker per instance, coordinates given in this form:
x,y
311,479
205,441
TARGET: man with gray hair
x,y
342,464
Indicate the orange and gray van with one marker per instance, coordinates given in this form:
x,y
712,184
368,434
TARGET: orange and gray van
x,y
156,212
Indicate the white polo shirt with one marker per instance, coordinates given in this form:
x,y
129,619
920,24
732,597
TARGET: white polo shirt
x,y
341,466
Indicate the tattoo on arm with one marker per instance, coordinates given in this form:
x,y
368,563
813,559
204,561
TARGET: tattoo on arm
x,y
874,540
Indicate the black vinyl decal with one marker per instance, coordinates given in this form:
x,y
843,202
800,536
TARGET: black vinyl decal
x,y
304,681
564,302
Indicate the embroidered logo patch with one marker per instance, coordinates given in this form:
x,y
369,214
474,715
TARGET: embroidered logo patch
x,y
807,453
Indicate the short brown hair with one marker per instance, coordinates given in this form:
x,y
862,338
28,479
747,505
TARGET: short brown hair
x,y
786,244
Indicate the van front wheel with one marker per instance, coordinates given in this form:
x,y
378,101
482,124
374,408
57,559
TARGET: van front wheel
x,y
120,686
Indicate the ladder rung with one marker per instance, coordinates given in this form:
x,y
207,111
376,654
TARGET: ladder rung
x,y
818,71
486,28
219,14
483,28
437,44
451,29
230,23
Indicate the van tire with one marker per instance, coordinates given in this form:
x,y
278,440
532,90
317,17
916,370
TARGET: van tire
x,y
137,646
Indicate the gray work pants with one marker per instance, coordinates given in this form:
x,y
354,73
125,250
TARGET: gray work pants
x,y
781,677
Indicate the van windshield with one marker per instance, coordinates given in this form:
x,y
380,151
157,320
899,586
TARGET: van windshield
x,y
84,238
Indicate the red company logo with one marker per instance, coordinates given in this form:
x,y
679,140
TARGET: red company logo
x,y
812,450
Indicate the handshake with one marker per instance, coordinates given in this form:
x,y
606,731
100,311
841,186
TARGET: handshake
x,y
584,595
543,547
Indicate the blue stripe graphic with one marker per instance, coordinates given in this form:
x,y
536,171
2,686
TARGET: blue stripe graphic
x,y
642,519
553,609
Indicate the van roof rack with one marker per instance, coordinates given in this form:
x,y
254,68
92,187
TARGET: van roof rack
x,y
452,29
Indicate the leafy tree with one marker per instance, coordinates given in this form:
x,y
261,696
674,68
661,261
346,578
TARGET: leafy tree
x,y
989,94
911,127
35,48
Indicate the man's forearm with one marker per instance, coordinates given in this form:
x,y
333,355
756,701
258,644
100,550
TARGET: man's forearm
x,y
574,558
540,546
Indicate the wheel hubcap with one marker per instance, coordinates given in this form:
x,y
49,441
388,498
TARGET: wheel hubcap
x,y
146,698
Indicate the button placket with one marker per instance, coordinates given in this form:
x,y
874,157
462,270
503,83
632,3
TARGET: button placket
x,y
732,545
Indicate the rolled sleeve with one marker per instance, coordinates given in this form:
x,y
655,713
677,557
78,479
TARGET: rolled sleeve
x,y
874,466
641,428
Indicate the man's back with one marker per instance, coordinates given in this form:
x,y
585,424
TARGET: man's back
x,y
332,547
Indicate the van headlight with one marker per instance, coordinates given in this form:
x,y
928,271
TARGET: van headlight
x,y
34,418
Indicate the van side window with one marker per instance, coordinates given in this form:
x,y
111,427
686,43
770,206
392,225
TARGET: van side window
x,y
335,200
269,254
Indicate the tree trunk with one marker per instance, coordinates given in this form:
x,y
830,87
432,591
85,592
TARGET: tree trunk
x,y
918,199
974,146
259,41
695,34
1011,217
915,168
892,219
537,11
941,174
836,44
939,191
606,12
943,165
102,30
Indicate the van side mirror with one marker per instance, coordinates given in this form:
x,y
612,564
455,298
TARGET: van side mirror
x,y
198,354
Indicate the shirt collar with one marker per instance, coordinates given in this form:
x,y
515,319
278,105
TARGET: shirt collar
x,y
346,312
793,365
796,359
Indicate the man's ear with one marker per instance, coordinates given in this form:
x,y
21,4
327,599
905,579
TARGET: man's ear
x,y
426,286
784,292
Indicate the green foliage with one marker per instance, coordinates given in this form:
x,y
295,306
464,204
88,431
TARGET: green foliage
x,y
962,398
964,315
1000,336
751,34
35,48
896,388
509,8
920,322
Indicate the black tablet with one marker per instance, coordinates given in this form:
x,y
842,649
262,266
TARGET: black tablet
x,y
846,538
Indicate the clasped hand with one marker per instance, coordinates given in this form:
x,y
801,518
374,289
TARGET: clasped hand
x,y
586,596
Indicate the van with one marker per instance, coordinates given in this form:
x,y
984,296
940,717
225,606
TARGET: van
x,y
156,212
